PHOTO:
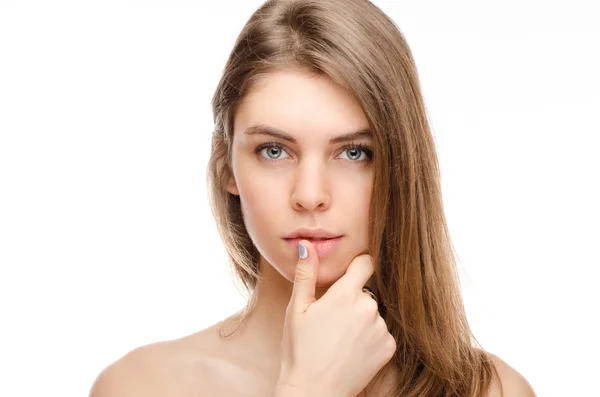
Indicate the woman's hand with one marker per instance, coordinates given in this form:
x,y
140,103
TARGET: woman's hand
x,y
334,346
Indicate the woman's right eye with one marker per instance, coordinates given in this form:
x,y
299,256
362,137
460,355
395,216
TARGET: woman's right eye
x,y
272,149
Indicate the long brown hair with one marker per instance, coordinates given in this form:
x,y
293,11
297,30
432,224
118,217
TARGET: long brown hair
x,y
357,46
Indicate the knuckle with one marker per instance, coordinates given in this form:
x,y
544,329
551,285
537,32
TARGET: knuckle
x,y
392,346
380,323
301,274
372,306
367,305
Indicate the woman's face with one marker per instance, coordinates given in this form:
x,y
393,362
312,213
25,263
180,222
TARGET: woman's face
x,y
311,182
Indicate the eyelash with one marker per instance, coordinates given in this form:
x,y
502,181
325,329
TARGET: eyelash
x,y
350,146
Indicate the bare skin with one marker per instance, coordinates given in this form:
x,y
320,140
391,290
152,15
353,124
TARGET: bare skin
x,y
310,183
202,364
196,365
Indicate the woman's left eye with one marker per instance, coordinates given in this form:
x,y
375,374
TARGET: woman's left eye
x,y
354,150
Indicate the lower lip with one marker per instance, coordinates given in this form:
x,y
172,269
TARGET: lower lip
x,y
323,247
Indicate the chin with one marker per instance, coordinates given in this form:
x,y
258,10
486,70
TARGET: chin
x,y
330,268
327,277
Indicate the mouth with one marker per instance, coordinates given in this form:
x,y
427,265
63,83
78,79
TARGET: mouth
x,y
323,246
311,239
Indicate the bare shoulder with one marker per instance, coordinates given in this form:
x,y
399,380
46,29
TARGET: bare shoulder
x,y
513,383
176,368
133,374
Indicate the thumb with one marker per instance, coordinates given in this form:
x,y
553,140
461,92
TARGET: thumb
x,y
305,278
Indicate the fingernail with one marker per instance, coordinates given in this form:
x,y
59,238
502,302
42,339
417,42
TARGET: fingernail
x,y
302,251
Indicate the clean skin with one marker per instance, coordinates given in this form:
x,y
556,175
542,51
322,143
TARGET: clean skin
x,y
307,183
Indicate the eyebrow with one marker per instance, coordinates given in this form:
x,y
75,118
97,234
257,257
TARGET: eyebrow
x,y
262,129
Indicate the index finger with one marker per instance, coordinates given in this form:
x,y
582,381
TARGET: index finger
x,y
358,273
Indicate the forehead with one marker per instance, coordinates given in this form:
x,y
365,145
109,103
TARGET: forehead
x,y
301,105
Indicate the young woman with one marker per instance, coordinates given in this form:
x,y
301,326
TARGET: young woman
x,y
325,186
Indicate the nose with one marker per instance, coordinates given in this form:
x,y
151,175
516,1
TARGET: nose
x,y
311,190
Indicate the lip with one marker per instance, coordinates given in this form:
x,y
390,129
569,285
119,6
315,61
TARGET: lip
x,y
323,247
306,233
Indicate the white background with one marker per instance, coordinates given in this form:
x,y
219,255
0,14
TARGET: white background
x,y
106,238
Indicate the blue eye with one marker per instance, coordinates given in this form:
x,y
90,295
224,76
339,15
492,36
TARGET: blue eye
x,y
269,146
350,147
360,149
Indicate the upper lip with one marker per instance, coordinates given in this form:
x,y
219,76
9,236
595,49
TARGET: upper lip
x,y
311,233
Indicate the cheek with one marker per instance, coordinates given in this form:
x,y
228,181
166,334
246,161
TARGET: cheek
x,y
262,202
354,203
355,196
260,192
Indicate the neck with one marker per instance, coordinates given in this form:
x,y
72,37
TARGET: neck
x,y
259,337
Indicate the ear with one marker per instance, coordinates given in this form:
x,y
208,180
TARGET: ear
x,y
232,187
